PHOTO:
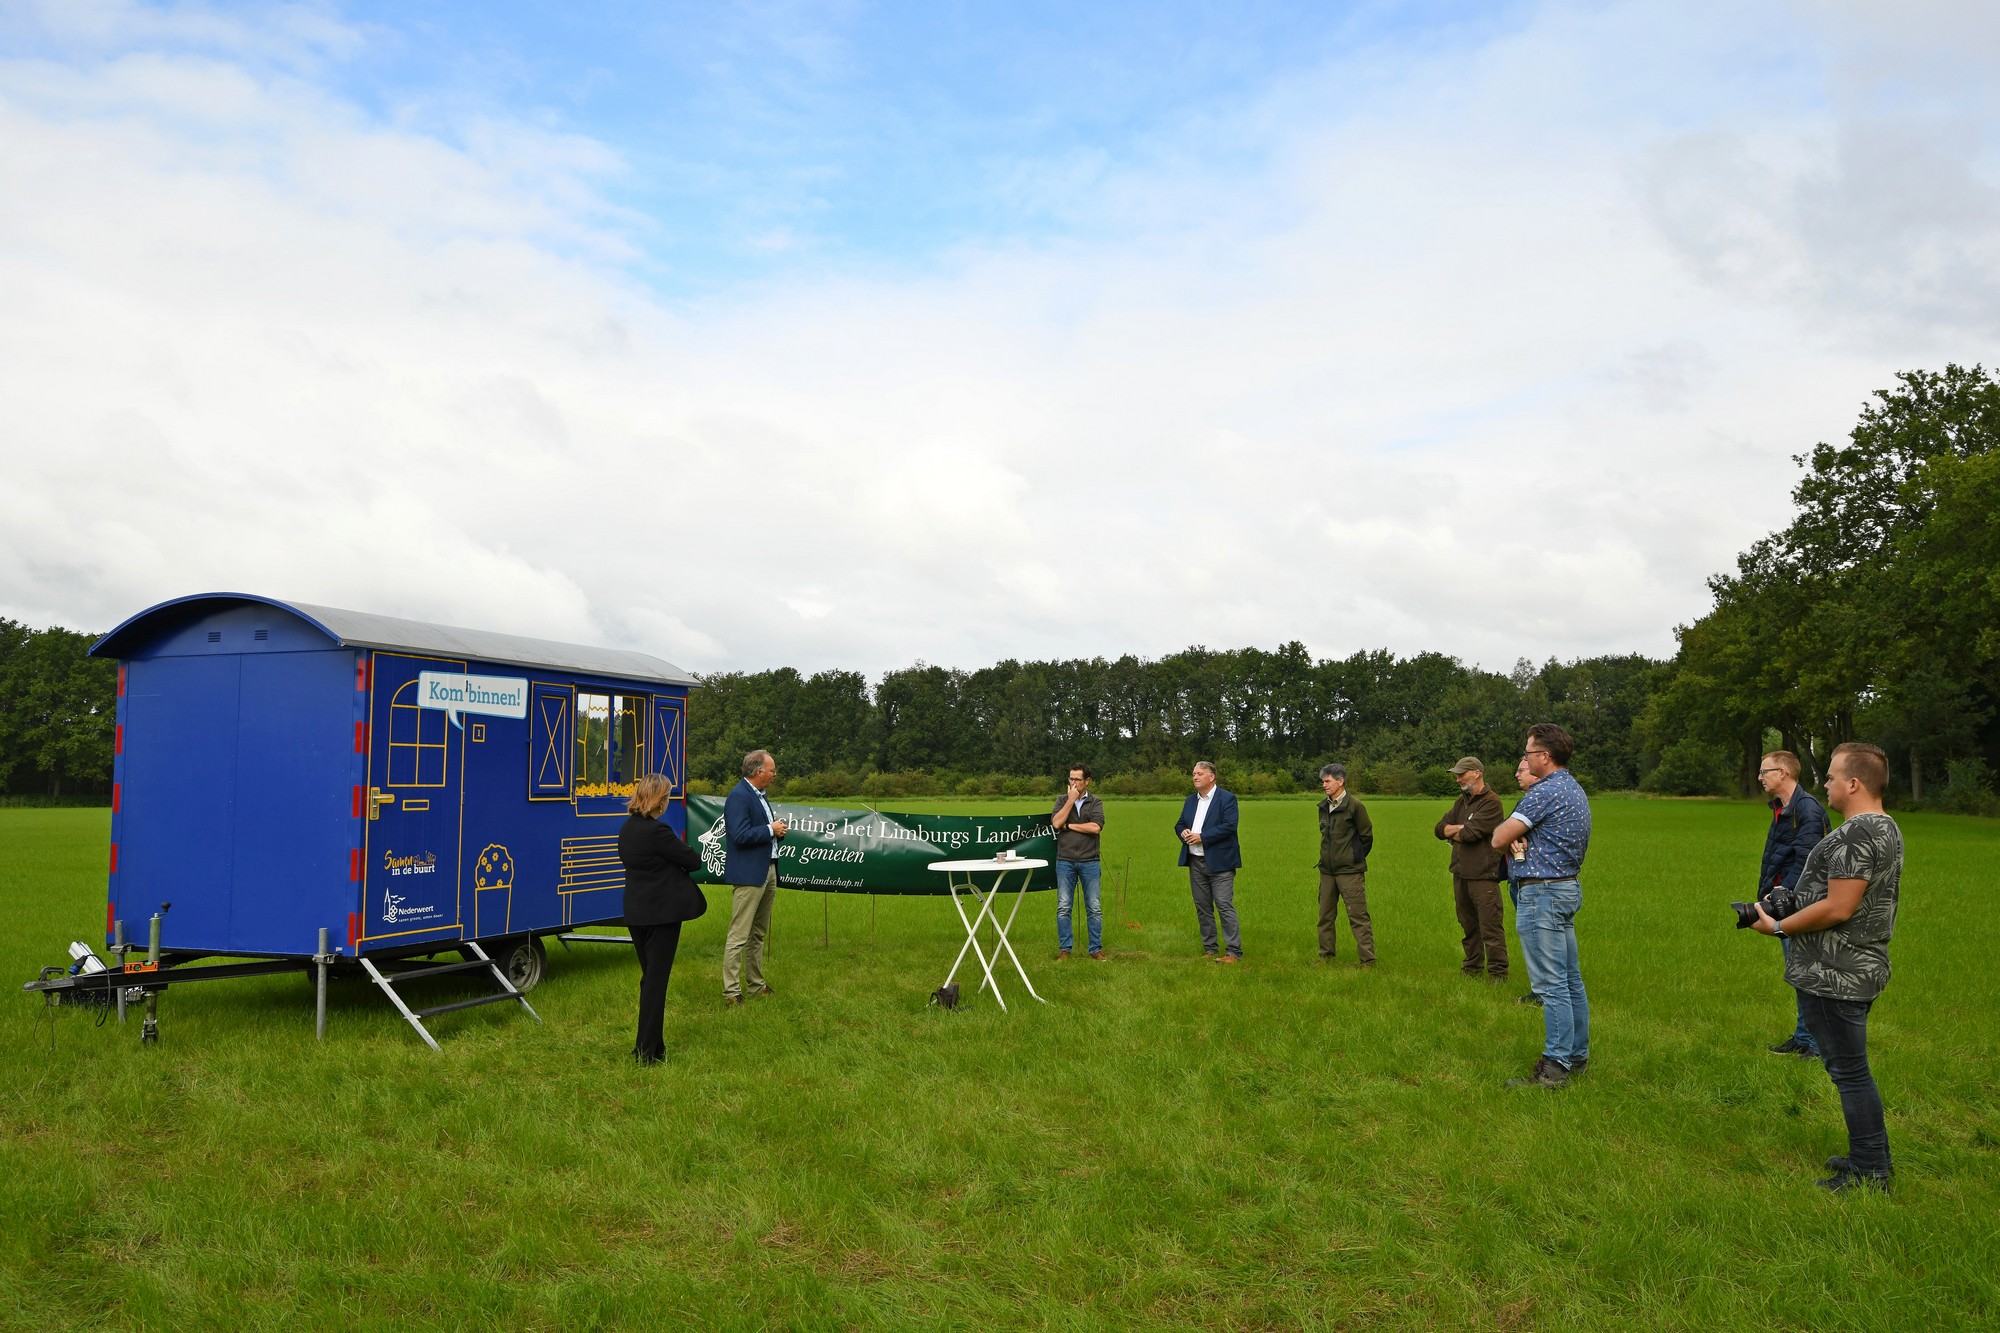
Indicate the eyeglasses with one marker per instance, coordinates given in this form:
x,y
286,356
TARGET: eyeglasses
x,y
1526,753
1762,772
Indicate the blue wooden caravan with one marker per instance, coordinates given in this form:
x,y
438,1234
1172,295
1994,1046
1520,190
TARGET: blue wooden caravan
x,y
284,768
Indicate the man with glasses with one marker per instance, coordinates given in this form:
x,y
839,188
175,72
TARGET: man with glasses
x,y
1078,821
1798,822
1554,817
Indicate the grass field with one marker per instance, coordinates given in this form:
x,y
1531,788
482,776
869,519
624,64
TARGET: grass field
x,y
1166,1144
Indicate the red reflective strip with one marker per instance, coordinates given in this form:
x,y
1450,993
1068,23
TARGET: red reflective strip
x,y
118,743
353,927
114,858
357,803
354,865
121,682
110,917
361,738
117,790
360,673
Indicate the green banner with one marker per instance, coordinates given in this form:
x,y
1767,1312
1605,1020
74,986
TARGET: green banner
x,y
864,851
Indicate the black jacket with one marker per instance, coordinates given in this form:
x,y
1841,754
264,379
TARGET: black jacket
x,y
657,887
1794,832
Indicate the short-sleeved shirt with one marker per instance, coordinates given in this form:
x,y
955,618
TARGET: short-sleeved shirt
x,y
1557,814
1850,961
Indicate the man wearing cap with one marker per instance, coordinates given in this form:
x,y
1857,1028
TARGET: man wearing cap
x,y
1475,870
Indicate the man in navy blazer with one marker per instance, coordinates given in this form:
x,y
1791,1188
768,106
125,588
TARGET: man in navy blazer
x,y
1207,829
750,865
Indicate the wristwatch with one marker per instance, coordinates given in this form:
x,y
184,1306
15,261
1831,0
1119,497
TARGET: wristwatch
x,y
1779,931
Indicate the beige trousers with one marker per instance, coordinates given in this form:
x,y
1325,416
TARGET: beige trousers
x,y
749,923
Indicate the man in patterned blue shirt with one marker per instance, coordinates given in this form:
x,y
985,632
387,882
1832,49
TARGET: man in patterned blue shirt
x,y
1554,817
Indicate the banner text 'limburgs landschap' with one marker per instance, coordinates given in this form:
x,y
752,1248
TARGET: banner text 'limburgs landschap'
x,y
864,851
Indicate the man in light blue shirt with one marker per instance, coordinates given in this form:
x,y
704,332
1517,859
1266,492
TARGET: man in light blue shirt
x,y
1554,818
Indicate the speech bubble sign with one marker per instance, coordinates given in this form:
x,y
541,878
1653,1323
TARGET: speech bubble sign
x,y
455,693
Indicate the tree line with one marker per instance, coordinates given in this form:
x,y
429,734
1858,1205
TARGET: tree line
x,y
58,713
1268,719
1870,616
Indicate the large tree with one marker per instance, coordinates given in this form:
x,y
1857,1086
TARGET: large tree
x,y
1874,603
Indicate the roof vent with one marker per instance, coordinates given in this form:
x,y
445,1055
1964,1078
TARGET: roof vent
x,y
261,635
215,636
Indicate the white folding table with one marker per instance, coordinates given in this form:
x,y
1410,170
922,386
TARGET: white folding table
x,y
970,871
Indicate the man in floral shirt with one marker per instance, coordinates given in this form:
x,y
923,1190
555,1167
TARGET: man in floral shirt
x,y
1837,951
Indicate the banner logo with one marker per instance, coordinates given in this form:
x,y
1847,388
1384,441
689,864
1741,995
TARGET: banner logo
x,y
713,855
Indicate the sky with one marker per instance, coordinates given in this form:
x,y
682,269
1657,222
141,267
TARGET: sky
x,y
851,335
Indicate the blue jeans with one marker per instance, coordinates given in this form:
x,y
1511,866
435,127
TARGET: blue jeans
x,y
1546,924
1067,875
1799,1033
1841,1027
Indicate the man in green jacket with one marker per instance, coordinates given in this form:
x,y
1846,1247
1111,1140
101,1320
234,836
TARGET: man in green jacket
x,y
1346,836
1475,870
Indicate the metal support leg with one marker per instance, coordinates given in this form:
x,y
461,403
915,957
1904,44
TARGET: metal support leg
x,y
325,950
1019,898
972,936
118,952
149,1031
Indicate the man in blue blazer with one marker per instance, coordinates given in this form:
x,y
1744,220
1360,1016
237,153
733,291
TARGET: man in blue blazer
x,y
750,865
1207,829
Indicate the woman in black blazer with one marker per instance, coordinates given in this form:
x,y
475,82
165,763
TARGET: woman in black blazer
x,y
659,896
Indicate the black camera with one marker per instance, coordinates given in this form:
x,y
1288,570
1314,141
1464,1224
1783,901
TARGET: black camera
x,y
1778,903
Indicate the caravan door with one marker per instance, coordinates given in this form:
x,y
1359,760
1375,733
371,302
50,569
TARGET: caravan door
x,y
416,776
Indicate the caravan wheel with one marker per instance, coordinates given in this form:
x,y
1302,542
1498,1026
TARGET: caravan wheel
x,y
522,958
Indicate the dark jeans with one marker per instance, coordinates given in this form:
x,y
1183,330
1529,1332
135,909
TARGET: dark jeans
x,y
1841,1029
656,946
1800,1034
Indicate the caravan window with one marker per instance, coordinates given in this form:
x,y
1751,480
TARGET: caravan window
x,y
610,743
418,754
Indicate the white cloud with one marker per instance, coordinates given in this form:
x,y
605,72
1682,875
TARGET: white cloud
x,y
1502,358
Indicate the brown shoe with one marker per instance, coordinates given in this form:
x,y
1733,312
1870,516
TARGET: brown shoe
x,y
1097,955
1231,958
1061,954
732,1001
762,991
